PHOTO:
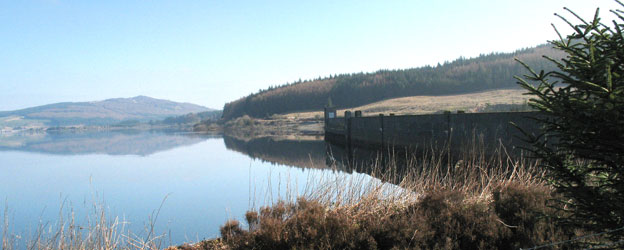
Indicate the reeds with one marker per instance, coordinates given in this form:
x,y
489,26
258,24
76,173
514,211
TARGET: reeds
x,y
406,177
425,201
96,231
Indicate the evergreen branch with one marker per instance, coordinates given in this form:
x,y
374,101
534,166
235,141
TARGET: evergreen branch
x,y
558,34
579,18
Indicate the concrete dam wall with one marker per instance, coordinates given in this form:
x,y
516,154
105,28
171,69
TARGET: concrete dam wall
x,y
453,131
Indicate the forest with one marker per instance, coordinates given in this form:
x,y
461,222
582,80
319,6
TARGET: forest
x,y
485,72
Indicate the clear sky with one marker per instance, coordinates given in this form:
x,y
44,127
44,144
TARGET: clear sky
x,y
213,52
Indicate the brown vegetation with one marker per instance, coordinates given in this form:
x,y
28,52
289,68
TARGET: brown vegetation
x,y
476,203
440,220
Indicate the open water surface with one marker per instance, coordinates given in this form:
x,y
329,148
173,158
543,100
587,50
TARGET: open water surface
x,y
200,180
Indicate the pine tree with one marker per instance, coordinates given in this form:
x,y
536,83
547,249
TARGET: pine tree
x,y
582,145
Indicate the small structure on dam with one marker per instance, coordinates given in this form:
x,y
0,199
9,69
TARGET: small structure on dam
x,y
449,131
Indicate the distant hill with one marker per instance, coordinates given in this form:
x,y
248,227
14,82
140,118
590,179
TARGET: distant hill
x,y
107,112
492,71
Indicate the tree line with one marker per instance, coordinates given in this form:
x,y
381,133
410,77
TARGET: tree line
x,y
491,71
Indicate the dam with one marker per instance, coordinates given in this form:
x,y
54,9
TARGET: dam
x,y
448,131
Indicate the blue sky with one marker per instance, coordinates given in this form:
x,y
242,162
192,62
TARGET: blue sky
x,y
212,52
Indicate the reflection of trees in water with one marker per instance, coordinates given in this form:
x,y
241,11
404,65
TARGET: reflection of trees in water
x,y
314,154
308,153
393,162
125,142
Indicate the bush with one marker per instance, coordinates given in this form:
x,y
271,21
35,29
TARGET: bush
x,y
524,210
231,229
440,220
582,144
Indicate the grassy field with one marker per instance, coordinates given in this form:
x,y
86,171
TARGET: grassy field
x,y
474,102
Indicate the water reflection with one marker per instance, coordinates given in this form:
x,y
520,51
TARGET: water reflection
x,y
307,152
206,179
314,152
301,152
131,172
123,142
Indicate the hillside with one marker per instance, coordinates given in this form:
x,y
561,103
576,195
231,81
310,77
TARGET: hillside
x,y
483,101
486,72
311,123
106,112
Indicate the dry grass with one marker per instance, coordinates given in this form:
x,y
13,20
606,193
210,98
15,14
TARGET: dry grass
x,y
98,231
480,202
431,104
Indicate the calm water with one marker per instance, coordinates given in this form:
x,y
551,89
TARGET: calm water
x,y
203,180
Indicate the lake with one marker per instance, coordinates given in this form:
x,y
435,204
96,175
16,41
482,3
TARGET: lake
x,y
198,181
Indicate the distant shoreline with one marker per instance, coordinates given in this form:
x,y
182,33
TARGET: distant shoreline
x,y
143,127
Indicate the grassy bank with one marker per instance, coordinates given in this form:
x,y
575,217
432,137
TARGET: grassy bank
x,y
478,202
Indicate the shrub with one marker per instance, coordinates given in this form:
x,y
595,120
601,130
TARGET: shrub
x,y
524,210
231,229
442,219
